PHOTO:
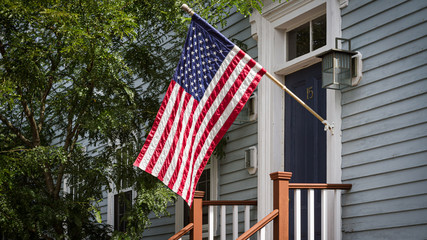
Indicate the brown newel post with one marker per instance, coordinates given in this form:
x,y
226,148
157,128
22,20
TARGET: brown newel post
x,y
281,202
196,216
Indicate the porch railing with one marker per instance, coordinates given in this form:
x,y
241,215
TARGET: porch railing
x,y
280,214
223,216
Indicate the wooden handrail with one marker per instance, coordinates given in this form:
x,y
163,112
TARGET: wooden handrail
x,y
228,203
255,228
319,186
182,232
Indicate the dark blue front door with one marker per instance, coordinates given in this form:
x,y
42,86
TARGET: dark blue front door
x,y
305,139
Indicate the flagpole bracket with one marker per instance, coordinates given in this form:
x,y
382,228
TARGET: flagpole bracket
x,y
186,8
328,126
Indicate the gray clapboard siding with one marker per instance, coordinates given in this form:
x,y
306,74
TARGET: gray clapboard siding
x,y
389,124
410,232
390,178
378,10
376,35
396,81
411,63
399,39
385,139
399,219
379,207
397,53
402,191
381,99
384,122
385,153
398,108
379,167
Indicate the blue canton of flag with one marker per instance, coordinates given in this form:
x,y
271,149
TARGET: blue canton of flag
x,y
201,57
212,83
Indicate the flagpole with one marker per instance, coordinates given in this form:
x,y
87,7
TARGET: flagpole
x,y
281,85
190,11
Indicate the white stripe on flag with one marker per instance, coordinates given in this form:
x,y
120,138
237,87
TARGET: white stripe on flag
x,y
212,110
224,116
172,166
162,124
198,110
171,135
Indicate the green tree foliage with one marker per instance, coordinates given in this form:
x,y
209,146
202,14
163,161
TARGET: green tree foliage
x,y
79,73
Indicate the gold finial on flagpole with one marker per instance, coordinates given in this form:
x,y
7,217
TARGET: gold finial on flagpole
x,y
186,8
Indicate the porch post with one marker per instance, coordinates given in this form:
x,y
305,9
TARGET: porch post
x,y
281,202
196,216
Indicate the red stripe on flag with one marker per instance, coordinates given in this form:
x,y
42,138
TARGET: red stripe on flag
x,y
155,124
165,134
227,124
219,111
229,70
221,108
172,150
186,133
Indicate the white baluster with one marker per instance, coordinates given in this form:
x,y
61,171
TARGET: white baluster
x,y
247,217
235,221
297,214
324,216
223,233
211,222
262,233
310,213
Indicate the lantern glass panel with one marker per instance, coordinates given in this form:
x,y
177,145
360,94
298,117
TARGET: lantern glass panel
x,y
343,69
336,70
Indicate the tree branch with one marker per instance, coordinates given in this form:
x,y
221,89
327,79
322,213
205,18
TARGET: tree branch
x,y
16,131
69,131
49,180
30,117
43,103
62,166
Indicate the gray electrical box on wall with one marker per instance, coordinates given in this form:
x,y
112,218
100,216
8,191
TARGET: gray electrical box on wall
x,y
251,162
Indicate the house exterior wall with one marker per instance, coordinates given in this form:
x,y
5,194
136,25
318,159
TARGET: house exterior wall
x,y
234,181
384,122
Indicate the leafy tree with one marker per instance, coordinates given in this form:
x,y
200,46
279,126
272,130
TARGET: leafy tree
x,y
77,76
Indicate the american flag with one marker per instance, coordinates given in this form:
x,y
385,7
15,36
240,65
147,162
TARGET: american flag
x,y
211,84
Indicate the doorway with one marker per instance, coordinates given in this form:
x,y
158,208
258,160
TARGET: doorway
x,y
305,139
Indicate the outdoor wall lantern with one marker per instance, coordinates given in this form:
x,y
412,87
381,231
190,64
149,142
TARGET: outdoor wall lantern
x,y
341,68
251,161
